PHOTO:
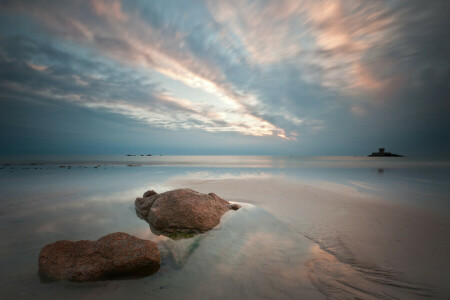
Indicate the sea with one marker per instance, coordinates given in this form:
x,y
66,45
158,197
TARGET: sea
x,y
252,254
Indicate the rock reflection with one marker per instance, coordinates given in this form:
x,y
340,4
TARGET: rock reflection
x,y
177,252
177,235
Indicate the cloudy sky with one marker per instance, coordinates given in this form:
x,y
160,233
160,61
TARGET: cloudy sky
x,y
305,77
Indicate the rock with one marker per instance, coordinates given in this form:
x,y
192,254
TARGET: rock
x,y
143,205
234,206
114,255
149,193
182,210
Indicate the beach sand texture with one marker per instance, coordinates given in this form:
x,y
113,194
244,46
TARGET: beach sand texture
x,y
379,249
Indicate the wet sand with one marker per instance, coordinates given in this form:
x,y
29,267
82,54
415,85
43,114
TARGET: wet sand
x,y
373,247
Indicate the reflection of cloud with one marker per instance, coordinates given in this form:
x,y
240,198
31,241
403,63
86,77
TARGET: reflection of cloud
x,y
249,187
365,185
62,209
264,253
47,227
204,175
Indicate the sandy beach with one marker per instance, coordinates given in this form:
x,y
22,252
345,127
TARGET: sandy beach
x,y
370,247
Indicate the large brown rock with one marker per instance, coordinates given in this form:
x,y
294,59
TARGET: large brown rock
x,y
183,210
114,255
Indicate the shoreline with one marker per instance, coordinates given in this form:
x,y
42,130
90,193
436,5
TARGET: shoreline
x,y
381,247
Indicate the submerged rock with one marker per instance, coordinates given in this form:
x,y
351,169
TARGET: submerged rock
x,y
182,210
114,255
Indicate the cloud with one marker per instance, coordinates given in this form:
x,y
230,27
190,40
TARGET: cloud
x,y
288,69
127,38
141,100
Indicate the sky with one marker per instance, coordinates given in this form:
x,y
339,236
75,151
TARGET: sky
x,y
281,77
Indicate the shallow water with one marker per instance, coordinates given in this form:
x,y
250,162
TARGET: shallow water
x,y
416,181
251,254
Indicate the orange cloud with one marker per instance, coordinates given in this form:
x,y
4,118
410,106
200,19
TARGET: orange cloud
x,y
109,9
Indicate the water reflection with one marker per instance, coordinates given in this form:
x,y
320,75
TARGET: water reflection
x,y
177,251
353,280
250,253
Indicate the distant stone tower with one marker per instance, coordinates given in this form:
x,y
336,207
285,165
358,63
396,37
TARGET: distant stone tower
x,y
381,153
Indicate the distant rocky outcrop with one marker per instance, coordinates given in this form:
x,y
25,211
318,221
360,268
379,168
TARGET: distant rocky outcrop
x,y
382,153
182,211
114,255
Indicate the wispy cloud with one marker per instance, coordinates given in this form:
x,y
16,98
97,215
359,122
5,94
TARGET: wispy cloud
x,y
126,37
142,100
263,68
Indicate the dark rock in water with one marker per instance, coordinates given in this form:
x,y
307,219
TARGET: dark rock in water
x,y
182,211
114,255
